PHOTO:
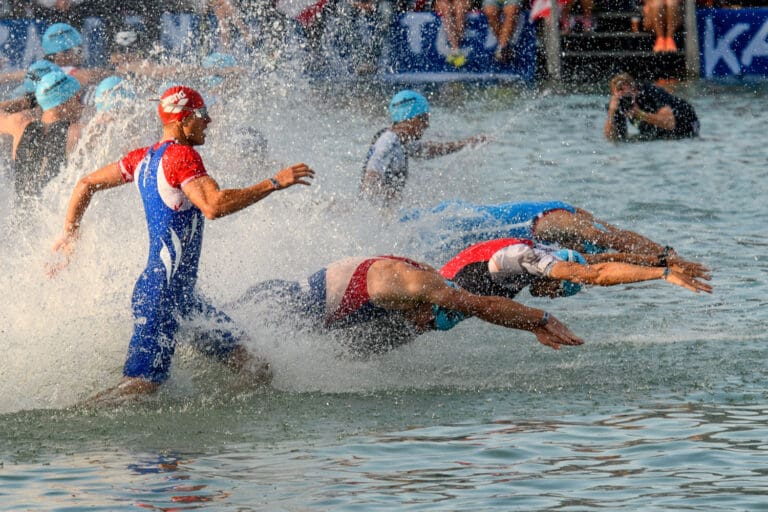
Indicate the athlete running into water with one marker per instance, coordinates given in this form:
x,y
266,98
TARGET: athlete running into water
x,y
178,194
505,266
385,301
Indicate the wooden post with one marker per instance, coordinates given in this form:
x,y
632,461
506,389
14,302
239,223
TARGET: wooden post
x,y
552,29
692,57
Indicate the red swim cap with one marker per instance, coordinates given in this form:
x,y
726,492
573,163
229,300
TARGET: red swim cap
x,y
177,103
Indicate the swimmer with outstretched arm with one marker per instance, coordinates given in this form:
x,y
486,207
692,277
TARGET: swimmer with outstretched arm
x,y
178,195
361,290
505,266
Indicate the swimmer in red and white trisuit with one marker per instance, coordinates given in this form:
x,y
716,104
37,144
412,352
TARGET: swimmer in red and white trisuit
x,y
357,291
505,266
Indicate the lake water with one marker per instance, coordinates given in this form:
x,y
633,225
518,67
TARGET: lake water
x,y
663,408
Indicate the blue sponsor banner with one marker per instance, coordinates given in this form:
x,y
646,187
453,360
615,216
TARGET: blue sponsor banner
x,y
418,50
733,42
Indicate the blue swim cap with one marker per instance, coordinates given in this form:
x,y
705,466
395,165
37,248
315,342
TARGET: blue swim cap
x,y
35,72
111,92
55,88
219,60
569,288
446,319
60,37
406,105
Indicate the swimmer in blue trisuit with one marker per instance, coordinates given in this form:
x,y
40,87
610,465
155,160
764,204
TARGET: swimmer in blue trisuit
x,y
505,266
178,195
455,225
388,300
385,170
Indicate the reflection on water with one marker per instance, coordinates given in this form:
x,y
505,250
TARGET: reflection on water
x,y
675,454
682,455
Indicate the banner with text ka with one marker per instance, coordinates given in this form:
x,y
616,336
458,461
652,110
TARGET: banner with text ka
x,y
734,43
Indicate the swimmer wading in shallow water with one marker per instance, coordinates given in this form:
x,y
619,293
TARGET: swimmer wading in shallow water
x,y
178,195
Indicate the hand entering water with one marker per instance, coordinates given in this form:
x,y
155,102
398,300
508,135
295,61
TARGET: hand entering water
x,y
60,255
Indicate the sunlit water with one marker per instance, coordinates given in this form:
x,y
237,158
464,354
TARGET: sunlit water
x,y
663,408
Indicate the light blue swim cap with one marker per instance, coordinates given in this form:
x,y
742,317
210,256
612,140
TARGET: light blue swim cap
x,y
569,288
406,105
217,60
111,93
60,37
446,319
35,72
55,88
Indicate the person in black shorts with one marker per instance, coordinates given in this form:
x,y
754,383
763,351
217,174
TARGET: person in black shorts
x,y
656,113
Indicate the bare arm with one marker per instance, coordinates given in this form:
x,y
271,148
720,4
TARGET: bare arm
x,y
610,274
611,130
664,118
91,75
406,287
105,178
214,202
676,263
16,104
435,149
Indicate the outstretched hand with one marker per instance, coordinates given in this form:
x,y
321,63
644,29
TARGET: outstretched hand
x,y
554,333
690,268
687,281
478,140
295,174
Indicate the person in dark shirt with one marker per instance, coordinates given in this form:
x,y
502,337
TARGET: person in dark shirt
x,y
656,113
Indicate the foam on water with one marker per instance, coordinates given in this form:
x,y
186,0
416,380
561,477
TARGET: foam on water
x,y
66,338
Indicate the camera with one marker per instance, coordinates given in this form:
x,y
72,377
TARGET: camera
x,y
625,103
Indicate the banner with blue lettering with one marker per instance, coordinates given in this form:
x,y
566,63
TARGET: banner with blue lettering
x,y
733,42
418,50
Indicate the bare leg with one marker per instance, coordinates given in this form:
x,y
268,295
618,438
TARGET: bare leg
x,y
253,370
652,10
461,8
573,230
672,19
586,6
494,21
446,10
508,25
130,388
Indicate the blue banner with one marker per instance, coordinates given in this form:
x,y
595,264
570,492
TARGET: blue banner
x,y
418,50
733,42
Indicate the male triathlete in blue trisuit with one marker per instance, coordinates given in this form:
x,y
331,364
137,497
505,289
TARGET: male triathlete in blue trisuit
x,y
384,301
178,194
455,225
504,266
